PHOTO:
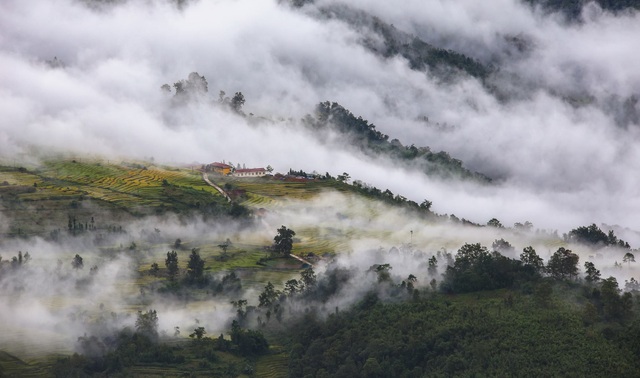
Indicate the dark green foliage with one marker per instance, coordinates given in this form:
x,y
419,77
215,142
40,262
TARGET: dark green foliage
x,y
238,211
171,262
229,285
198,333
502,246
614,305
628,258
283,241
531,260
496,335
113,354
155,269
308,278
248,342
572,9
592,275
269,296
592,235
443,63
542,293
195,268
382,270
589,235
360,133
147,324
433,266
475,268
328,284
563,264
292,287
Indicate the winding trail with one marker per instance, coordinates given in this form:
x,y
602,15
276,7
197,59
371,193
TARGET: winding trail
x,y
301,259
206,179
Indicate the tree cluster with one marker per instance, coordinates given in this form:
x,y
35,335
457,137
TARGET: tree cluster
x,y
360,133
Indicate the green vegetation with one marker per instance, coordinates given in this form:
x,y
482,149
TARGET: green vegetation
x,y
498,333
42,199
572,9
363,135
455,314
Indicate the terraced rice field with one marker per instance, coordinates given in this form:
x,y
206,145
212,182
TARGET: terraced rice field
x,y
273,366
130,185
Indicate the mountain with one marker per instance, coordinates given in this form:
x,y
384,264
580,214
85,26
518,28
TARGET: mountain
x,y
384,189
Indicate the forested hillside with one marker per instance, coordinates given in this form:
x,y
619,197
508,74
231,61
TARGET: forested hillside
x,y
319,188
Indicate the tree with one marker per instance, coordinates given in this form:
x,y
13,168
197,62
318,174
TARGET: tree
x,y
171,263
493,222
629,258
615,306
411,281
179,86
433,266
237,102
592,275
527,226
308,278
344,177
240,306
268,296
475,268
18,261
197,83
563,264
283,241
426,205
543,293
591,235
77,263
530,258
382,271
198,333
147,324
291,287
195,267
224,247
221,97
372,368
269,168
502,246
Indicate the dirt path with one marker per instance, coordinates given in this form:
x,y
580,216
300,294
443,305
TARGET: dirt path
x,y
301,260
206,179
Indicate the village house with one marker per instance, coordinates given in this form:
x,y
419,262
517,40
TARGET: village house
x,y
249,172
219,168
229,170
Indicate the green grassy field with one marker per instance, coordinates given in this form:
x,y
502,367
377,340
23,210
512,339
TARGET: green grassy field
x,y
40,199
